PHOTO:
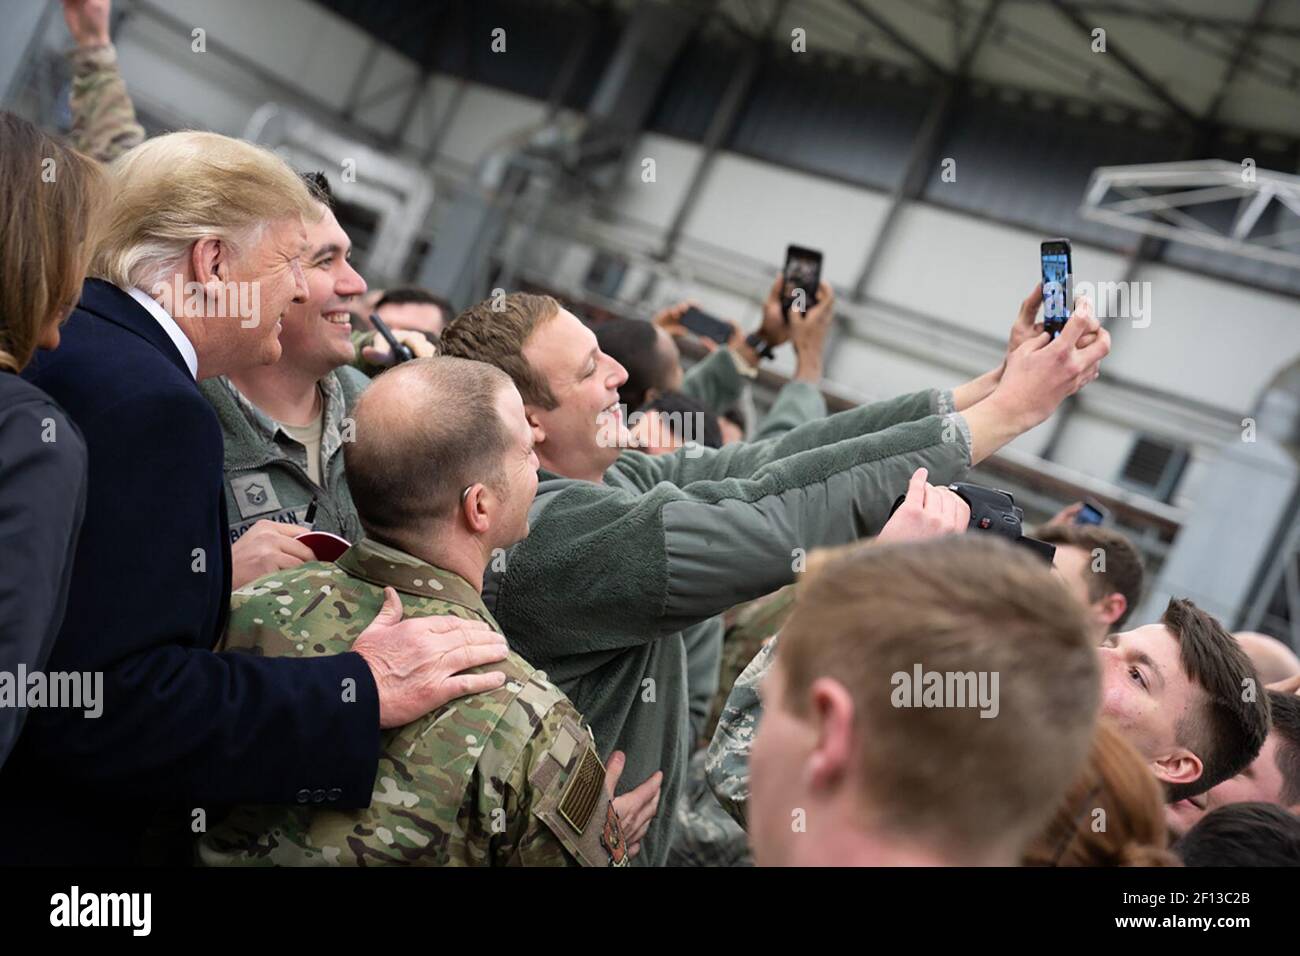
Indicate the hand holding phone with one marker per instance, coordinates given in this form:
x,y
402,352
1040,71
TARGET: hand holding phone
x,y
707,326
1058,284
801,277
1091,512
400,352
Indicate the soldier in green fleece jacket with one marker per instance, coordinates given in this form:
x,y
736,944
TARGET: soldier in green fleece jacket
x,y
626,549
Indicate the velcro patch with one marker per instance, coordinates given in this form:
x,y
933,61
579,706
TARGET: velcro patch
x,y
611,838
583,791
254,494
564,747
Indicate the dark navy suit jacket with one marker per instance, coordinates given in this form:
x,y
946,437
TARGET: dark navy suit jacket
x,y
182,727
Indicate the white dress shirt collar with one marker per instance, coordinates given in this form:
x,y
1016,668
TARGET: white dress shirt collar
x,y
183,345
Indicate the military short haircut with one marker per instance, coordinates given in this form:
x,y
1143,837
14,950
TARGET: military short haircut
x,y
1226,728
1243,834
1122,572
946,777
415,295
425,430
634,344
319,187
495,331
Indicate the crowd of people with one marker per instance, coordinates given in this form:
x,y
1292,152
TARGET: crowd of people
x,y
536,595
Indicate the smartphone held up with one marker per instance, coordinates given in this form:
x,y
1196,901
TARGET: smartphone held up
x,y
399,351
1058,284
707,326
1091,512
803,274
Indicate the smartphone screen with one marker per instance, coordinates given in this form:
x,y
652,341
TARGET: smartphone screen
x,y
803,273
1058,284
703,324
1091,513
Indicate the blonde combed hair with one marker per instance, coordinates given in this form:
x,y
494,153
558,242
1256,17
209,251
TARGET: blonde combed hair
x,y
176,189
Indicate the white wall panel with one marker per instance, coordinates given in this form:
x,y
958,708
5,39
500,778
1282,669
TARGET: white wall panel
x,y
655,203
970,271
488,119
757,209
1209,340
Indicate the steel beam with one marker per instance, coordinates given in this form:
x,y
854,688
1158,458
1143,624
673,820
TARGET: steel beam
x,y
897,37
359,81
921,156
1157,89
444,124
721,125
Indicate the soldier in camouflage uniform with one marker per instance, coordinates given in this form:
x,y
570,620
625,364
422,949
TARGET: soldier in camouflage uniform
x,y
753,626
508,777
267,473
727,763
706,835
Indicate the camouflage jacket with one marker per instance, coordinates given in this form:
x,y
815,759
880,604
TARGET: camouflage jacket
x,y
705,834
103,118
753,624
266,468
727,763
509,777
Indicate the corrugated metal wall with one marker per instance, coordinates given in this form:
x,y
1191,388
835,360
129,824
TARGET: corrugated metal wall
x,y
1021,158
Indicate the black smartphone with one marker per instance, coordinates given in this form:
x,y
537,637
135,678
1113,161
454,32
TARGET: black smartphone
x,y
706,326
803,273
400,352
1058,284
1092,512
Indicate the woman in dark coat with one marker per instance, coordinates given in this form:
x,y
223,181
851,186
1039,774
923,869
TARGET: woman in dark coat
x,y
52,200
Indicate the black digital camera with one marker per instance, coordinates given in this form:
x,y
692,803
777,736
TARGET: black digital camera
x,y
996,512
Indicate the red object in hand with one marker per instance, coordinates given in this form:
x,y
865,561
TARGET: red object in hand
x,y
323,544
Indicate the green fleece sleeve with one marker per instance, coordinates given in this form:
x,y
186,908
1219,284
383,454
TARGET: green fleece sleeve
x,y
744,459
609,567
796,404
715,381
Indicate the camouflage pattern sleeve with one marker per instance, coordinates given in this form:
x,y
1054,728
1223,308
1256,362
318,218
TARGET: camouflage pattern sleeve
x,y
705,835
423,809
554,805
727,763
103,117
506,777
753,625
